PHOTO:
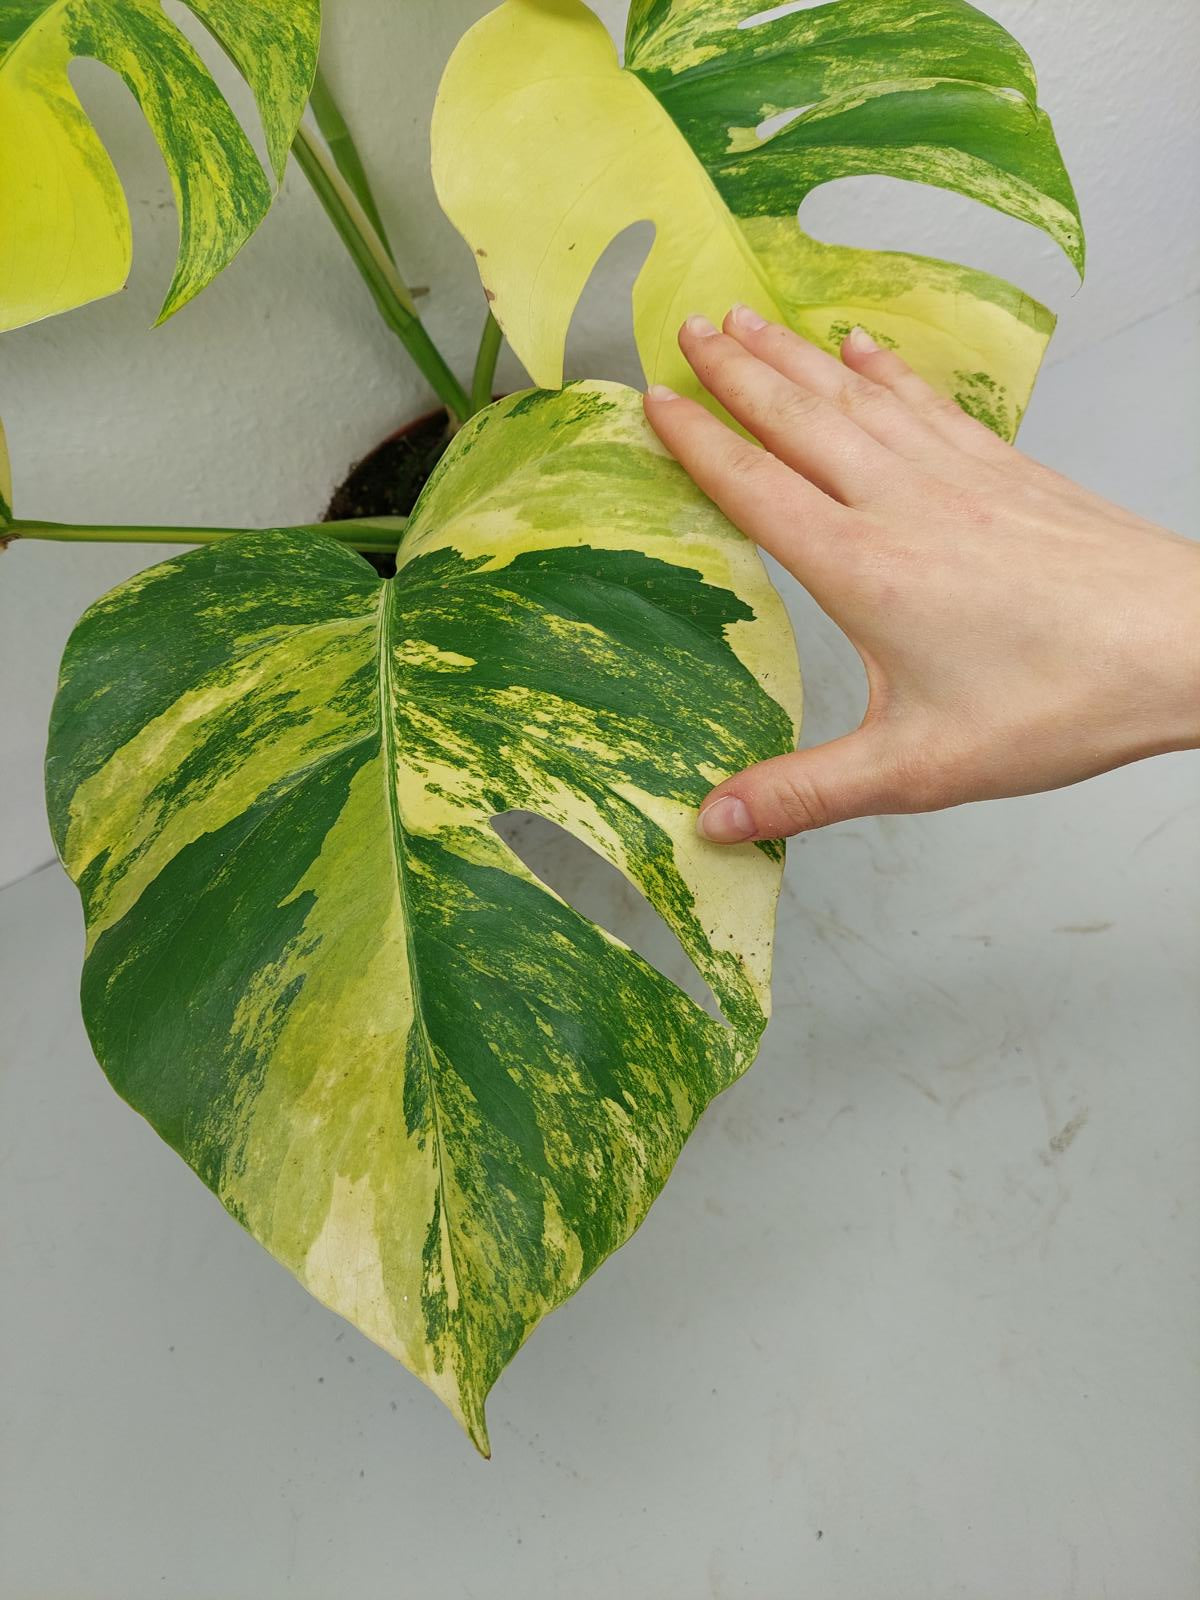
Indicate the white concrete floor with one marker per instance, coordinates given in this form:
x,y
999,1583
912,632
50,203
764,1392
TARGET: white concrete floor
x,y
916,1319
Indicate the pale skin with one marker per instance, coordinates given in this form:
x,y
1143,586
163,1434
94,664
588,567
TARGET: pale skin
x,y
1018,632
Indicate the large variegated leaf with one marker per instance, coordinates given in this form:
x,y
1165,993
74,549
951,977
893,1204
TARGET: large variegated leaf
x,y
431,1088
66,226
545,149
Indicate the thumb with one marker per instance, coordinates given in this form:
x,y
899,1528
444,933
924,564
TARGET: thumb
x,y
849,777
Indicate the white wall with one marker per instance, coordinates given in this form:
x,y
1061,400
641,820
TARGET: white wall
x,y
250,405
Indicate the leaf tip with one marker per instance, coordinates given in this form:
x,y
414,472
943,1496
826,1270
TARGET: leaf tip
x,y
1079,256
475,1428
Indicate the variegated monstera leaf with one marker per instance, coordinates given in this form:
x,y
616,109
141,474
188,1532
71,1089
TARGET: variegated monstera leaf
x,y
425,1083
66,225
724,117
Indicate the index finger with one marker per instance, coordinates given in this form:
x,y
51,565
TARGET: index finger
x,y
776,507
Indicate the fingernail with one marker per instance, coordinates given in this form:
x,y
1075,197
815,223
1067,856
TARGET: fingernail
x,y
747,317
862,341
726,821
700,326
659,391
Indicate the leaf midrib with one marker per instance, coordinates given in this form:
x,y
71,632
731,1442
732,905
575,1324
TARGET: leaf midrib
x,y
387,750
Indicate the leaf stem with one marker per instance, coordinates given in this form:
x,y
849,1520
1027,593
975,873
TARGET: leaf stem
x,y
369,255
374,535
485,364
336,133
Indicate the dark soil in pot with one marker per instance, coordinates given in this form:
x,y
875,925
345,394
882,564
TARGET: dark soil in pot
x,y
387,481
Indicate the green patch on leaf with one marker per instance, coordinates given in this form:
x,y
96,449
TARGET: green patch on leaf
x,y
981,397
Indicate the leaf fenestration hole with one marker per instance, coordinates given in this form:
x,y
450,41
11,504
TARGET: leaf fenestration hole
x,y
598,891
772,125
873,212
775,12
594,347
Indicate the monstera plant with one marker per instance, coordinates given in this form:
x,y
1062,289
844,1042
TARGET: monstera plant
x,y
431,1088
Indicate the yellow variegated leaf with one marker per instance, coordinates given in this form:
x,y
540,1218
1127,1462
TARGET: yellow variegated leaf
x,y
724,117
426,1084
66,226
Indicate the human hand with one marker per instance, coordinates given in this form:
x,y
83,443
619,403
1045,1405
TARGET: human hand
x,y
1018,632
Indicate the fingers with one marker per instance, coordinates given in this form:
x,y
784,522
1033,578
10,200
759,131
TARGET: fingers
x,y
856,776
940,415
799,426
872,406
782,512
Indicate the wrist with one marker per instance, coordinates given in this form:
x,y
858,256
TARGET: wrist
x,y
1171,652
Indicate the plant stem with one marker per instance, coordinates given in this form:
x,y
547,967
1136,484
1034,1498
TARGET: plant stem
x,y
374,535
390,293
337,135
485,364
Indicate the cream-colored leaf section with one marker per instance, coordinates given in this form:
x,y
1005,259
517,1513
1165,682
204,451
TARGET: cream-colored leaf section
x,y
948,322
66,235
